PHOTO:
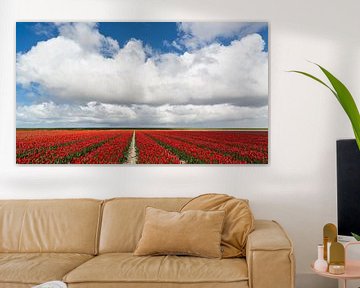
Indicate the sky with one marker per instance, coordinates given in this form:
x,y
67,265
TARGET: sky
x,y
142,74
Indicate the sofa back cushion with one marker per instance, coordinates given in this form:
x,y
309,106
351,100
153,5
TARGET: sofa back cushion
x,y
238,224
66,226
123,220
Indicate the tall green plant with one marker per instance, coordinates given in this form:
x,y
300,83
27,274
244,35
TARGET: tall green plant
x,y
357,237
344,97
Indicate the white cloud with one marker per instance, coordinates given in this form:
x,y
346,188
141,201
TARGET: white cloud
x,y
85,77
176,45
196,34
49,114
44,29
67,72
88,37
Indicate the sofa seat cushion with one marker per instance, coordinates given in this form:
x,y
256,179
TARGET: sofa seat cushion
x,y
125,267
36,268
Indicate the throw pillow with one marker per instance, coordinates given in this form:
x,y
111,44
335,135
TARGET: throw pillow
x,y
238,224
196,233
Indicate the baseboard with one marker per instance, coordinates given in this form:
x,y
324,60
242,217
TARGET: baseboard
x,y
310,280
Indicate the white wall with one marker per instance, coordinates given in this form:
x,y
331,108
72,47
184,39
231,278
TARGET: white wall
x,y
297,188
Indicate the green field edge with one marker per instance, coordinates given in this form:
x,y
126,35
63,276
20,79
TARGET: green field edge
x,y
145,128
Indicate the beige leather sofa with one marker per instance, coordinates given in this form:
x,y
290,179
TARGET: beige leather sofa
x,y
89,243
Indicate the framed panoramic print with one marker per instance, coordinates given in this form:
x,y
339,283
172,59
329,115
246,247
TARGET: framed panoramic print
x,y
142,93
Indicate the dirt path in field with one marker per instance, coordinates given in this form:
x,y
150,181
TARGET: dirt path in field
x,y
132,156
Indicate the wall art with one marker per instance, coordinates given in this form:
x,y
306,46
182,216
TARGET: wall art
x,y
142,93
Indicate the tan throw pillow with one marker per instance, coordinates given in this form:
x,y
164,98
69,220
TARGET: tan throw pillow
x,y
239,220
196,233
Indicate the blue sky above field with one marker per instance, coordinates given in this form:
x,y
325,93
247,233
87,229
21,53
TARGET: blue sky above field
x,y
144,74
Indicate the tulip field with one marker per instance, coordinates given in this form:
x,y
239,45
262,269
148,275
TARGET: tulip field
x,y
116,146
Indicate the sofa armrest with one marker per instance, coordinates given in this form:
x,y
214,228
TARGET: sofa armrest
x,y
269,255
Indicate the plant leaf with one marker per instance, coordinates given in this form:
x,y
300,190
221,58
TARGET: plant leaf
x,y
344,97
316,79
357,137
357,237
347,102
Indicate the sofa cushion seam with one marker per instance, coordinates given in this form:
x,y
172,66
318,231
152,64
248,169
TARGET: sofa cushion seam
x,y
67,273
98,228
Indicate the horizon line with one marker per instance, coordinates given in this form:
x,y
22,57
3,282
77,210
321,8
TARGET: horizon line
x,y
137,128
